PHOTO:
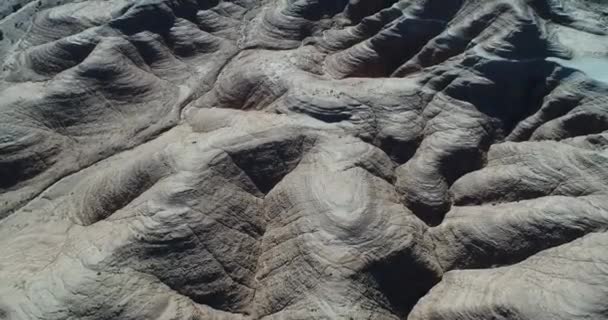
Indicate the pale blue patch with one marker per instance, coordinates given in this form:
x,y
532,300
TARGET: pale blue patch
x,y
594,67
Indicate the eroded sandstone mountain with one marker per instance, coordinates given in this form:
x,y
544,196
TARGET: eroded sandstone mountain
x,y
304,159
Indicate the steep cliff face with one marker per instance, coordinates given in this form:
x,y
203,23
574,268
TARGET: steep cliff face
x,y
304,159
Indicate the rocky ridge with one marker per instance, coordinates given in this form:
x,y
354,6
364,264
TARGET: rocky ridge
x,y
303,159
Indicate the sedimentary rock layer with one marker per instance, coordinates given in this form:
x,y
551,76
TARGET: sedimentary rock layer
x,y
362,159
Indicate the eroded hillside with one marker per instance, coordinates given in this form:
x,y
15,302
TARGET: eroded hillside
x,y
304,159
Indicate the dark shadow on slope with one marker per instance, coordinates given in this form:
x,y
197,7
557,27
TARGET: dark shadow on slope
x,y
267,162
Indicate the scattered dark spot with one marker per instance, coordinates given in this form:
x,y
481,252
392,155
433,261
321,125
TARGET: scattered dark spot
x,y
17,7
1,35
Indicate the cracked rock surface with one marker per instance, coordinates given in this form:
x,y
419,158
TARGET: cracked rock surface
x,y
304,159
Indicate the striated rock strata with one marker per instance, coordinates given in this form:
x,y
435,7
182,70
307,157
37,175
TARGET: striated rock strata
x,y
303,159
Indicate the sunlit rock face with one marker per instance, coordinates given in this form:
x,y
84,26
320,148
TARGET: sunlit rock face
x,y
304,159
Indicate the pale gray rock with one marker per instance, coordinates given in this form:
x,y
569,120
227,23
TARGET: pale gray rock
x,y
303,159
566,282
